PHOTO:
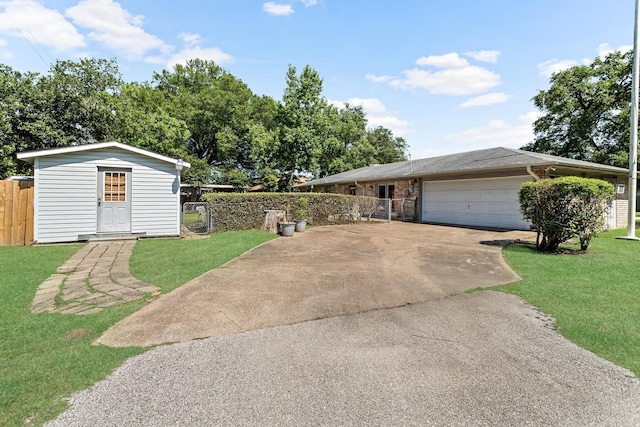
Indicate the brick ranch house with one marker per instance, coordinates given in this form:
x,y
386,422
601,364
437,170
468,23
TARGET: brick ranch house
x,y
475,188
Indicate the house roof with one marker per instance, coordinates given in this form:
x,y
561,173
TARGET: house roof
x,y
491,159
30,155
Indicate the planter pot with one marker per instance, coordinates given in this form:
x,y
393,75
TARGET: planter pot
x,y
301,225
287,228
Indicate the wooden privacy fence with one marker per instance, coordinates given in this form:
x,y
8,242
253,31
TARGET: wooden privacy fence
x,y
16,213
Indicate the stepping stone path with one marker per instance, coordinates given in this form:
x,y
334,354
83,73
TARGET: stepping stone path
x,y
94,278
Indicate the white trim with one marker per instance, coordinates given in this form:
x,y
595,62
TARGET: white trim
x,y
28,155
179,216
36,197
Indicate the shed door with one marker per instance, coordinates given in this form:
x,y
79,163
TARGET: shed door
x,y
487,202
114,200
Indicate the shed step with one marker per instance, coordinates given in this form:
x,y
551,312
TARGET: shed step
x,y
110,236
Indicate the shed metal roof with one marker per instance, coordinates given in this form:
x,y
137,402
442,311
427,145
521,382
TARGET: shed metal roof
x,y
499,158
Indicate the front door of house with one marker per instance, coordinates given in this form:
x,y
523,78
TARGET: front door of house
x,y
114,200
385,191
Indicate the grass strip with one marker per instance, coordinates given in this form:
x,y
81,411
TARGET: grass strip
x,y
47,357
169,263
594,297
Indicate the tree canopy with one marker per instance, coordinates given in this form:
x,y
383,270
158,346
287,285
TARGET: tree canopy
x,y
586,112
199,112
73,104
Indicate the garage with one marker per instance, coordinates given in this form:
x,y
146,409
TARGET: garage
x,y
487,202
474,188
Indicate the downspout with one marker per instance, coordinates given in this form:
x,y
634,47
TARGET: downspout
x,y
363,189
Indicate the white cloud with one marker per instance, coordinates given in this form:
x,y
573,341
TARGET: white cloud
x,y
377,114
193,50
277,9
547,68
604,49
498,133
41,26
453,75
378,79
190,39
467,80
490,56
448,60
115,28
309,3
487,99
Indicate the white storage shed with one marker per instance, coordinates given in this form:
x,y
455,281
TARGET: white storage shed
x,y
104,189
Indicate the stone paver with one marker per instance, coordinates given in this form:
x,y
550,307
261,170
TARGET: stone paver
x,y
94,278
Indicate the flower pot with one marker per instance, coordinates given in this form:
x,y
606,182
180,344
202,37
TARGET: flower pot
x,y
287,228
301,224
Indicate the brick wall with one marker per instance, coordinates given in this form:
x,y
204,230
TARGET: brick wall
x,y
402,190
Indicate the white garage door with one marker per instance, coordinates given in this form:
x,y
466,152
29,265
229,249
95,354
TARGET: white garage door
x,y
490,202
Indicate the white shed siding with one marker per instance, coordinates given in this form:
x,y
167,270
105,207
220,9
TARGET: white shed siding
x,y
66,194
155,197
66,199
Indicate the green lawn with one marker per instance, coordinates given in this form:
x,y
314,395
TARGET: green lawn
x,y
46,357
594,297
169,263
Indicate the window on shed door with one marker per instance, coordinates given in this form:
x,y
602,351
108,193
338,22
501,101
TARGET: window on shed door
x,y
115,187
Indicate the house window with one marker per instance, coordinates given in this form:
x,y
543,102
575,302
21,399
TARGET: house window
x,y
352,190
115,187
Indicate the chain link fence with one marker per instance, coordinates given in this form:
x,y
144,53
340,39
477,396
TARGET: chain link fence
x,y
196,217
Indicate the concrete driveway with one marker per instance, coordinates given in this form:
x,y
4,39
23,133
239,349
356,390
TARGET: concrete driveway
x,y
479,359
323,272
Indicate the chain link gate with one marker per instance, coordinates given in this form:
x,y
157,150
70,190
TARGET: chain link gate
x,y
196,217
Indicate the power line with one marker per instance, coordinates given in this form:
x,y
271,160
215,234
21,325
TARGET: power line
x,y
34,48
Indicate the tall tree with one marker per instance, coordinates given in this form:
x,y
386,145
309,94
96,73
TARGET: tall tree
x,y
16,98
312,137
387,148
345,146
142,119
586,112
78,99
73,104
217,108
301,122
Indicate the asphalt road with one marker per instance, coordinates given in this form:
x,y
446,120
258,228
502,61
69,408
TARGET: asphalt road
x,y
480,359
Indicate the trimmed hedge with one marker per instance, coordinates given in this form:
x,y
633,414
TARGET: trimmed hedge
x,y
562,208
245,211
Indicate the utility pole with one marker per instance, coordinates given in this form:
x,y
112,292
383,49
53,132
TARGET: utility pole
x,y
633,143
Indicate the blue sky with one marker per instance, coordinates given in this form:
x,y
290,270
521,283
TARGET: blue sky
x,y
447,75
